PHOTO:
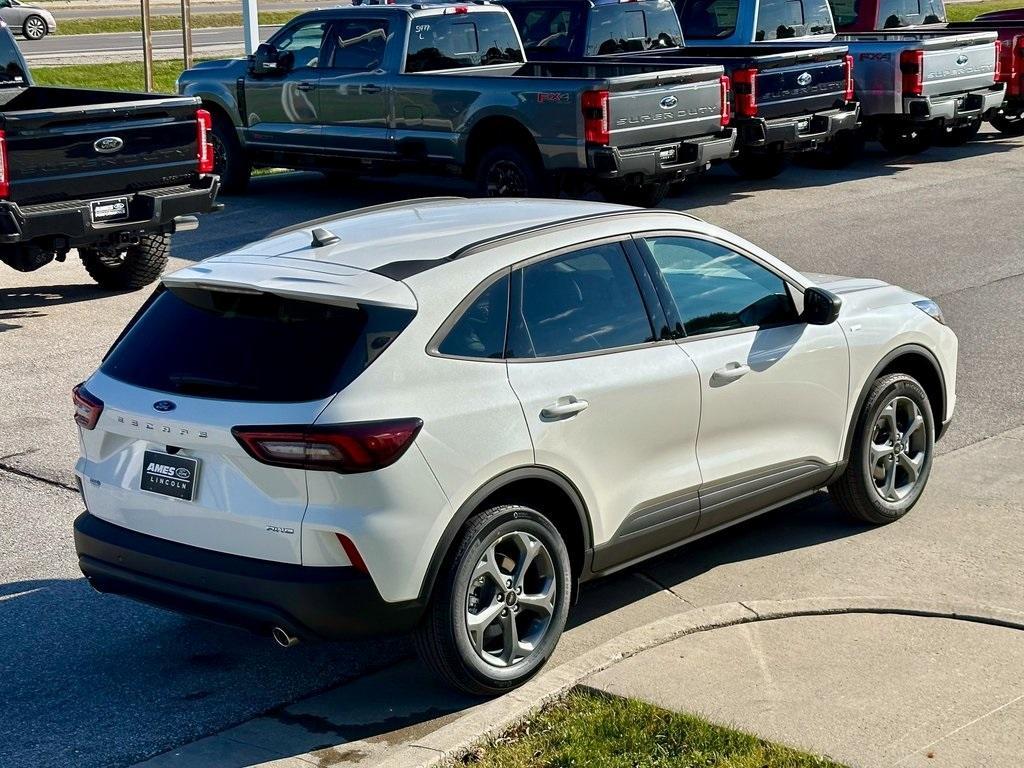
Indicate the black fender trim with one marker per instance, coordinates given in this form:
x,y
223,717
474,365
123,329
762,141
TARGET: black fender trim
x,y
493,485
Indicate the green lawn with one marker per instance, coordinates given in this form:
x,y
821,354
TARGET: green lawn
x,y
594,731
967,11
163,22
119,77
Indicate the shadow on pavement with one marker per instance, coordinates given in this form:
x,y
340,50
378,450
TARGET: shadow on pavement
x,y
43,296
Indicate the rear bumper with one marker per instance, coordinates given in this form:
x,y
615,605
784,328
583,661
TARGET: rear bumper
x,y
661,161
326,603
796,133
959,107
150,210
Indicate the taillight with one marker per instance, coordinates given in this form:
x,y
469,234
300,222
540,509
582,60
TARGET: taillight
x,y
87,407
204,149
1016,87
848,93
345,448
595,117
726,86
744,85
5,178
999,62
912,67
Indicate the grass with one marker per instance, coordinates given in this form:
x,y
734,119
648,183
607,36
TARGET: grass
x,y
123,76
595,731
165,22
967,11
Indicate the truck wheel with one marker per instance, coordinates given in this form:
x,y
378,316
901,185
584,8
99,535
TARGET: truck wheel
x,y
759,165
904,142
640,195
229,160
136,267
892,451
1009,125
508,171
499,606
954,136
34,27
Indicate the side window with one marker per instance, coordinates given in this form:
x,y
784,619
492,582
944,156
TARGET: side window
x,y
784,19
452,41
717,289
584,301
303,42
708,19
359,44
480,330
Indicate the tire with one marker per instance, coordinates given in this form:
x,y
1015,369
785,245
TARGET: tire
x,y
1009,125
857,490
229,160
640,195
905,142
34,27
478,664
136,267
509,171
845,148
759,165
956,136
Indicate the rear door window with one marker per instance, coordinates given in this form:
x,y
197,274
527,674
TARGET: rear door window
x,y
708,19
786,19
359,44
250,347
453,41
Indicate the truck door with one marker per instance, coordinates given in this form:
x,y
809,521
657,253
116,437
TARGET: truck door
x,y
283,107
355,88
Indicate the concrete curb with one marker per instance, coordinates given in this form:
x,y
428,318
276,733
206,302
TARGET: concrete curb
x,y
498,715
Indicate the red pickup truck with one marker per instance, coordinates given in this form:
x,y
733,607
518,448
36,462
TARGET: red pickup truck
x,y
876,15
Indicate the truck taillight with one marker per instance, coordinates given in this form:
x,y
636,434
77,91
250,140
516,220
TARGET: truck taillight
x,y
345,448
999,61
912,67
5,170
87,407
848,93
726,86
1016,84
595,117
204,149
744,85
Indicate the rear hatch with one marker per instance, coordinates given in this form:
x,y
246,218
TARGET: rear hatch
x,y
219,346
71,143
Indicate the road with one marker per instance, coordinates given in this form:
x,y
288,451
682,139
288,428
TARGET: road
x,y
170,9
92,681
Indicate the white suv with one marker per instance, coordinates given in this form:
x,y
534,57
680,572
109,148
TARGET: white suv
x,y
443,415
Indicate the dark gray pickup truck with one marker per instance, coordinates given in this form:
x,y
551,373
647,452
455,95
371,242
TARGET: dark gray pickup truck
x,y
112,174
444,88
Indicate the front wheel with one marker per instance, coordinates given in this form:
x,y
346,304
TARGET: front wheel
x,y
1009,125
954,136
134,267
508,171
892,452
499,607
905,141
34,28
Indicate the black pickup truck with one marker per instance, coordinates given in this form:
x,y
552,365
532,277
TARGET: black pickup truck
x,y
785,100
112,174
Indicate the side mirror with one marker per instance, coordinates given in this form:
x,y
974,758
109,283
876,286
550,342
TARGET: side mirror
x,y
265,61
820,307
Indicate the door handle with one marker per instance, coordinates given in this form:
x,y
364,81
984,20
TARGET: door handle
x,y
564,408
306,86
731,371
372,89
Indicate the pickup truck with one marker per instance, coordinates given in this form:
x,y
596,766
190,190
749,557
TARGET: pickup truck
x,y
913,86
784,100
871,15
112,174
442,88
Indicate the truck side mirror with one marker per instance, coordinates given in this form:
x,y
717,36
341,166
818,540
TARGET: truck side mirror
x,y
266,60
820,306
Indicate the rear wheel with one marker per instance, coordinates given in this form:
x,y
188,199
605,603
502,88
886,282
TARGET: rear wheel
x,y
759,165
34,27
510,171
844,148
229,160
954,136
905,141
1009,125
500,605
641,195
134,267
891,456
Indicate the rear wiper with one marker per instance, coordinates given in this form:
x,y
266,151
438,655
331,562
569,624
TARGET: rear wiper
x,y
200,384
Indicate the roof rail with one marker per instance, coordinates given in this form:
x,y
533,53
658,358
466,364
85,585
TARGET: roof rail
x,y
395,204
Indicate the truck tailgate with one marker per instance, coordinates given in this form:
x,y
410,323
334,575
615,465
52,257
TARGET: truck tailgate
x,y
80,149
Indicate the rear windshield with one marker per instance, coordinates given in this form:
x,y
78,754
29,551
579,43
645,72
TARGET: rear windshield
x,y
708,19
786,19
547,27
629,27
12,65
891,13
250,347
453,41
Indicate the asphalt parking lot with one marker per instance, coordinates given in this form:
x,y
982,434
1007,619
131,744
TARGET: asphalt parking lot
x,y
91,681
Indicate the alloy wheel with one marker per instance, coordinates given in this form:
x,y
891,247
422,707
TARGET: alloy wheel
x,y
897,449
506,179
35,28
511,599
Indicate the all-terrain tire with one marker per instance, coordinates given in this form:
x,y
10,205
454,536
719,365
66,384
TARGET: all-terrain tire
x,y
1009,125
510,171
136,267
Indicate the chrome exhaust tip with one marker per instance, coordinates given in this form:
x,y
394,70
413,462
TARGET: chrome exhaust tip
x,y
283,638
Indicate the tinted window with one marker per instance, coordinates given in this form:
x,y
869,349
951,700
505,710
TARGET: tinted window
x,y
461,40
302,41
904,13
717,289
250,347
480,330
708,19
621,28
785,19
359,44
581,302
10,59
546,28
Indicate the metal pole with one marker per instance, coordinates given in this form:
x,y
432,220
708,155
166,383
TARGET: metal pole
x,y
147,46
186,32
251,25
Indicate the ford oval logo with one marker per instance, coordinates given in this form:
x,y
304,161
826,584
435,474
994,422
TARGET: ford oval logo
x,y
961,59
805,79
668,102
108,145
164,405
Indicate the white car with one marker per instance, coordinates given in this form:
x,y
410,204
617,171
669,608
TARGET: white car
x,y
443,415
31,21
